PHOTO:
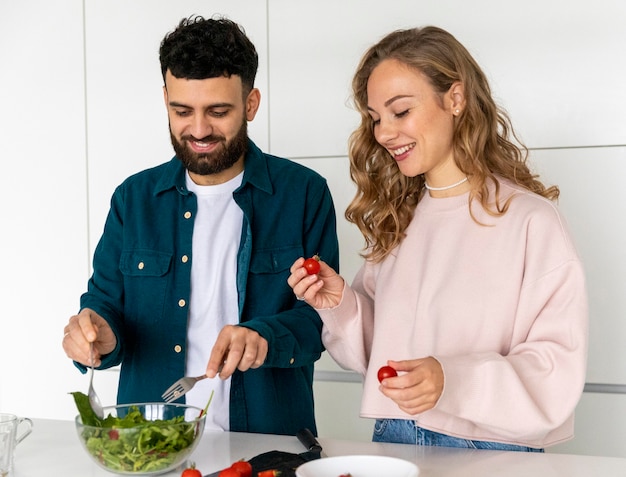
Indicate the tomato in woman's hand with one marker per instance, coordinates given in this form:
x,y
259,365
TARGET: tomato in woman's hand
x,y
191,471
312,265
386,372
244,468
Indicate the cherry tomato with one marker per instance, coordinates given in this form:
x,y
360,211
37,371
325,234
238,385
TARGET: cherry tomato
x,y
228,472
312,265
269,473
191,471
386,372
244,468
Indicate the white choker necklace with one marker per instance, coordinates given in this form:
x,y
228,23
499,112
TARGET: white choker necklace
x,y
446,187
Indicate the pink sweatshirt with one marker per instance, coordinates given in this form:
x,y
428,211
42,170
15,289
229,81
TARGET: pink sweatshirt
x,y
502,307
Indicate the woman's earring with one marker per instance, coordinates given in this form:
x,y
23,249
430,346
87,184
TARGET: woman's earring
x,y
457,111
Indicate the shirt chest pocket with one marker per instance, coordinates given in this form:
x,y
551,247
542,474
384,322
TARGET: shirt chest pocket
x,y
274,261
145,263
267,289
146,280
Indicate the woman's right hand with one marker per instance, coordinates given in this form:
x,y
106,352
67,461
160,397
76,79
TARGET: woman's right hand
x,y
321,290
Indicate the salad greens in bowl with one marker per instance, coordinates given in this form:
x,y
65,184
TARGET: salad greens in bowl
x,y
139,439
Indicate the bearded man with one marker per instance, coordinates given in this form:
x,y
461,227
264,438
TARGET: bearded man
x,y
190,274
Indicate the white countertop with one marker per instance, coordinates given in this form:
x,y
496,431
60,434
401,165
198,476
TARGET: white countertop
x,y
53,450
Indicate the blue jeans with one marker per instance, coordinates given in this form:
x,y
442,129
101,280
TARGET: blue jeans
x,y
407,432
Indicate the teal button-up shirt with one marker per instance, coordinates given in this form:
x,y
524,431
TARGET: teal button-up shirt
x,y
142,281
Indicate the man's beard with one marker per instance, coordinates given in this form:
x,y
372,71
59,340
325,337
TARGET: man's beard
x,y
217,161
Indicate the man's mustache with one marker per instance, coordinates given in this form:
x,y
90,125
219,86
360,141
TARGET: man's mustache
x,y
210,138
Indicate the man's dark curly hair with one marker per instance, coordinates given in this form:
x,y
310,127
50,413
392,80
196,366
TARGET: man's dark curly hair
x,y
202,48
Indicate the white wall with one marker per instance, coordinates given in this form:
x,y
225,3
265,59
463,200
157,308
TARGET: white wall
x,y
81,93
43,200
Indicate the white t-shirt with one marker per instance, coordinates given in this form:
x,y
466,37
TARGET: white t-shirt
x,y
213,300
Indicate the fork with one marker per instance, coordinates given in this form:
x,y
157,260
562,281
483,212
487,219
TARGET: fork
x,y
94,401
181,387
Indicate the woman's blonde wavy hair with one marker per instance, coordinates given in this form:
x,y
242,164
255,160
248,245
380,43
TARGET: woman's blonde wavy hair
x,y
386,199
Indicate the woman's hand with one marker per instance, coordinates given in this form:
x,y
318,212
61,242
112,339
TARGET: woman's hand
x,y
321,290
418,386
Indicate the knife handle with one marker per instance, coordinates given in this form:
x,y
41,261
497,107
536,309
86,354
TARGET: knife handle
x,y
308,440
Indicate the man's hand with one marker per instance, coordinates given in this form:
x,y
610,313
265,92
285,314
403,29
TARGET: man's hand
x,y
83,329
236,347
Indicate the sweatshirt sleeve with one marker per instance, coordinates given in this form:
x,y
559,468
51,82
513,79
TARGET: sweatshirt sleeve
x,y
535,386
348,327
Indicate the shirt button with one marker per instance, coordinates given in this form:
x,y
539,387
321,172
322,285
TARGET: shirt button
x,y
184,259
140,265
187,215
181,302
178,348
291,361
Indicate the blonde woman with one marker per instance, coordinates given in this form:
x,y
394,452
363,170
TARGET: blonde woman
x,y
471,289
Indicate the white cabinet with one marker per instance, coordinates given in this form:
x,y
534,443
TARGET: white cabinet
x,y
600,427
592,200
554,65
43,199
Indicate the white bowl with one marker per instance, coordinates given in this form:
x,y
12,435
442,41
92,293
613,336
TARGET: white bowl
x,y
358,466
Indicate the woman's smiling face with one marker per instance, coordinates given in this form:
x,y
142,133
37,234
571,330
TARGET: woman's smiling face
x,y
411,120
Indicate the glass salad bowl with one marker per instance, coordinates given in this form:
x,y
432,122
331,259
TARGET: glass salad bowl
x,y
142,439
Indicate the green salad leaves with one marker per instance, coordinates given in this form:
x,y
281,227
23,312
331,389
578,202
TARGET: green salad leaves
x,y
133,443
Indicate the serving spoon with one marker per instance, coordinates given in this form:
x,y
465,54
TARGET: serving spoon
x,y
94,401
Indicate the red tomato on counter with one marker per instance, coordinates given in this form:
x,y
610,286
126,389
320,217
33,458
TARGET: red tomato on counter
x,y
241,468
229,472
191,471
269,473
244,468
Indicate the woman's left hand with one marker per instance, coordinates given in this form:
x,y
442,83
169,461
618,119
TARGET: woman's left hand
x,y
418,386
